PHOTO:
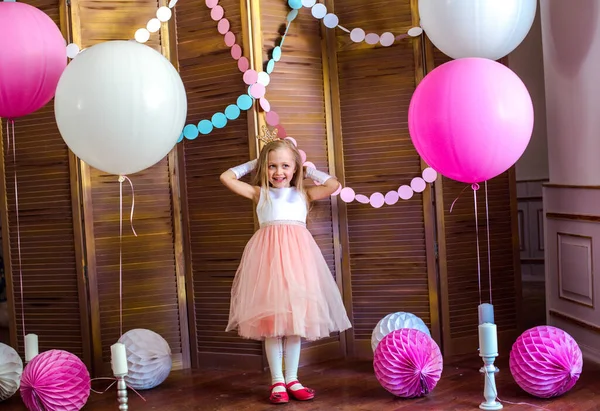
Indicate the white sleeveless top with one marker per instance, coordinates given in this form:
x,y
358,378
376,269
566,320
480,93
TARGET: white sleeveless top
x,y
287,204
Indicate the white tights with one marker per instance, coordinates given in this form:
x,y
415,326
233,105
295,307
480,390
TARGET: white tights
x,y
284,350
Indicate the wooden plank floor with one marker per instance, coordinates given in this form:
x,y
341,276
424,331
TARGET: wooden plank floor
x,y
340,386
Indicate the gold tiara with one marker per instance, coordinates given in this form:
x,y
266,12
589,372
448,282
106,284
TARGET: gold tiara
x,y
268,136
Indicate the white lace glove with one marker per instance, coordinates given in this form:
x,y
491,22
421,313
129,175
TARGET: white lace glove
x,y
317,175
243,169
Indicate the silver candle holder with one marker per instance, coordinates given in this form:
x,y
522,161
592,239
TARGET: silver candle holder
x,y
122,397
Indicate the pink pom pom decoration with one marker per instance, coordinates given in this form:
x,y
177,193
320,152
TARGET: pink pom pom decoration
x,y
55,380
545,361
408,363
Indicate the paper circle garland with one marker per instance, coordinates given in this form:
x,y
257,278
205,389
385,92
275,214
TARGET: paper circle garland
x,y
148,358
408,363
57,380
396,321
545,361
11,368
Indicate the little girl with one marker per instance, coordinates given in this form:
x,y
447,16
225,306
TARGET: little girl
x,y
283,289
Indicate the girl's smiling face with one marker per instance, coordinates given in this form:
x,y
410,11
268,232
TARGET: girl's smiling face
x,y
281,167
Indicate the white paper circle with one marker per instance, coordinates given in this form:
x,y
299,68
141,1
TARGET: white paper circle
x,y
308,3
418,184
387,39
263,78
331,20
429,175
164,13
319,11
153,25
72,50
415,31
142,35
357,35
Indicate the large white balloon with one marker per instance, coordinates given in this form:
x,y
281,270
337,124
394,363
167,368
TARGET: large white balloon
x,y
477,28
120,106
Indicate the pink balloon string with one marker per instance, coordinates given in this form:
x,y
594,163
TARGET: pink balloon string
x,y
487,219
515,403
457,197
114,381
10,134
477,242
121,179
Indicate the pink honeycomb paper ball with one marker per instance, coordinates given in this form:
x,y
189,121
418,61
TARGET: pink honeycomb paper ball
x,y
408,363
545,361
55,380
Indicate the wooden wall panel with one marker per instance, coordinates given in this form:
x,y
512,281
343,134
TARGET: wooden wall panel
x,y
458,254
386,248
297,93
219,223
55,303
151,290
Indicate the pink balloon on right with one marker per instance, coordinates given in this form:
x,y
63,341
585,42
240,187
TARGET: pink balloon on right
x,y
471,119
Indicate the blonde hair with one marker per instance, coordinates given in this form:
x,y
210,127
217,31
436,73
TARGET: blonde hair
x,y
261,178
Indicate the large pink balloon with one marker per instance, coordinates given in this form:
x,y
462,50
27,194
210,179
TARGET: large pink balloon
x,y
32,58
471,119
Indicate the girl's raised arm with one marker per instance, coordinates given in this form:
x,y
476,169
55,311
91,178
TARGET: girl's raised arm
x,y
328,184
230,179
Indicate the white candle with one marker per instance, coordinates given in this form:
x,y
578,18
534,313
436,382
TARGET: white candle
x,y
486,313
118,359
31,347
488,340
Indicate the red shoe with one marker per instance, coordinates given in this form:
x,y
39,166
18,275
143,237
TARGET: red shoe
x,y
279,397
303,394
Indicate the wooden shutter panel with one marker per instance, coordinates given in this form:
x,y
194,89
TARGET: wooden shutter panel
x,y
54,295
296,92
219,223
390,251
458,251
152,291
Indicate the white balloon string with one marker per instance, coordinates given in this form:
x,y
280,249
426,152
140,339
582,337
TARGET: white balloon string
x,y
475,188
132,204
120,256
10,136
513,403
114,381
487,218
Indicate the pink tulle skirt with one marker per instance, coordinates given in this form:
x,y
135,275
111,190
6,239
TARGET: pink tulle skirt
x,y
283,286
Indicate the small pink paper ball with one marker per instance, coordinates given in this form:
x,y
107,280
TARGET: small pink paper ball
x,y
545,361
55,380
408,363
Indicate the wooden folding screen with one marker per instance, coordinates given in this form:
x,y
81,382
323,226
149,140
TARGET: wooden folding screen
x,y
458,255
54,293
153,284
218,222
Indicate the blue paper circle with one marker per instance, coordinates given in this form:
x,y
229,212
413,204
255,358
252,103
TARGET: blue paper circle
x,y
190,131
292,15
205,127
270,66
180,139
295,4
219,120
277,53
244,102
232,112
